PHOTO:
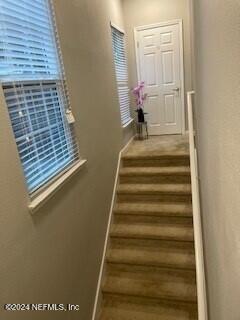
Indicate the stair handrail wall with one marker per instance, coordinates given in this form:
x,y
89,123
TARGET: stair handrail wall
x,y
197,222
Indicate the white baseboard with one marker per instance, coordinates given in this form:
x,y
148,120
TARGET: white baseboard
x,y
108,230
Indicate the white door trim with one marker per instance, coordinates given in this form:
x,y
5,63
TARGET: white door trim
x,y
157,25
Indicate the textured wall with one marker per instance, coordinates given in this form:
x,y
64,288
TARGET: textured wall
x,y
142,12
54,256
217,25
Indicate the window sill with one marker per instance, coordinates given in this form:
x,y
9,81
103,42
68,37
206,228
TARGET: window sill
x,y
127,124
39,201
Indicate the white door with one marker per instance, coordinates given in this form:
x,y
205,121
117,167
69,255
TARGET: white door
x,y
160,66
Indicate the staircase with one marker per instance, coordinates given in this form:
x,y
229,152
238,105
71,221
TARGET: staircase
x,y
150,264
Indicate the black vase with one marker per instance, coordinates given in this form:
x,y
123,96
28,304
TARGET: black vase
x,y
141,117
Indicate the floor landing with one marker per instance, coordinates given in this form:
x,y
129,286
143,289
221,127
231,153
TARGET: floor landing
x,y
158,145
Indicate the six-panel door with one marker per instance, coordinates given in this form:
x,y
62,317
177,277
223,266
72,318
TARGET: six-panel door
x,y
160,68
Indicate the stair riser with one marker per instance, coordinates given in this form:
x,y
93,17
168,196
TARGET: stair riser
x,y
153,198
118,307
154,209
189,276
150,282
168,179
150,295
152,262
158,244
151,237
154,214
146,219
151,253
174,162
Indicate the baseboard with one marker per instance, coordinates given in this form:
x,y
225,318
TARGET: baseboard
x,y
95,308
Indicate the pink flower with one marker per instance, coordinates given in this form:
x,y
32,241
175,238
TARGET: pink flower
x,y
140,96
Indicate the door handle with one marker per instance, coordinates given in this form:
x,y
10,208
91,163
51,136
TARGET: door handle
x,y
176,89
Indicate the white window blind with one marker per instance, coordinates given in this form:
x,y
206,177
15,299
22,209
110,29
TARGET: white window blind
x,y
32,78
121,71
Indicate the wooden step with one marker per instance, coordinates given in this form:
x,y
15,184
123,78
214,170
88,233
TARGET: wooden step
x,y
157,253
152,282
159,160
155,175
169,232
118,307
154,192
154,209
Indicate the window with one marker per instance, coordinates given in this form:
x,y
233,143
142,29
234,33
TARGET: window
x,y
120,62
32,78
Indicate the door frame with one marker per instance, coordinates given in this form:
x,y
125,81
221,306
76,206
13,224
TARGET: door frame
x,y
178,22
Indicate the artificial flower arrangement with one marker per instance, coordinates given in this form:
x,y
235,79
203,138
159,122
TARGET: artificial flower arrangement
x,y
140,98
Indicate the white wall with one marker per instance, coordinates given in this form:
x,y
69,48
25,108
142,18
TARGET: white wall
x,y
217,26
